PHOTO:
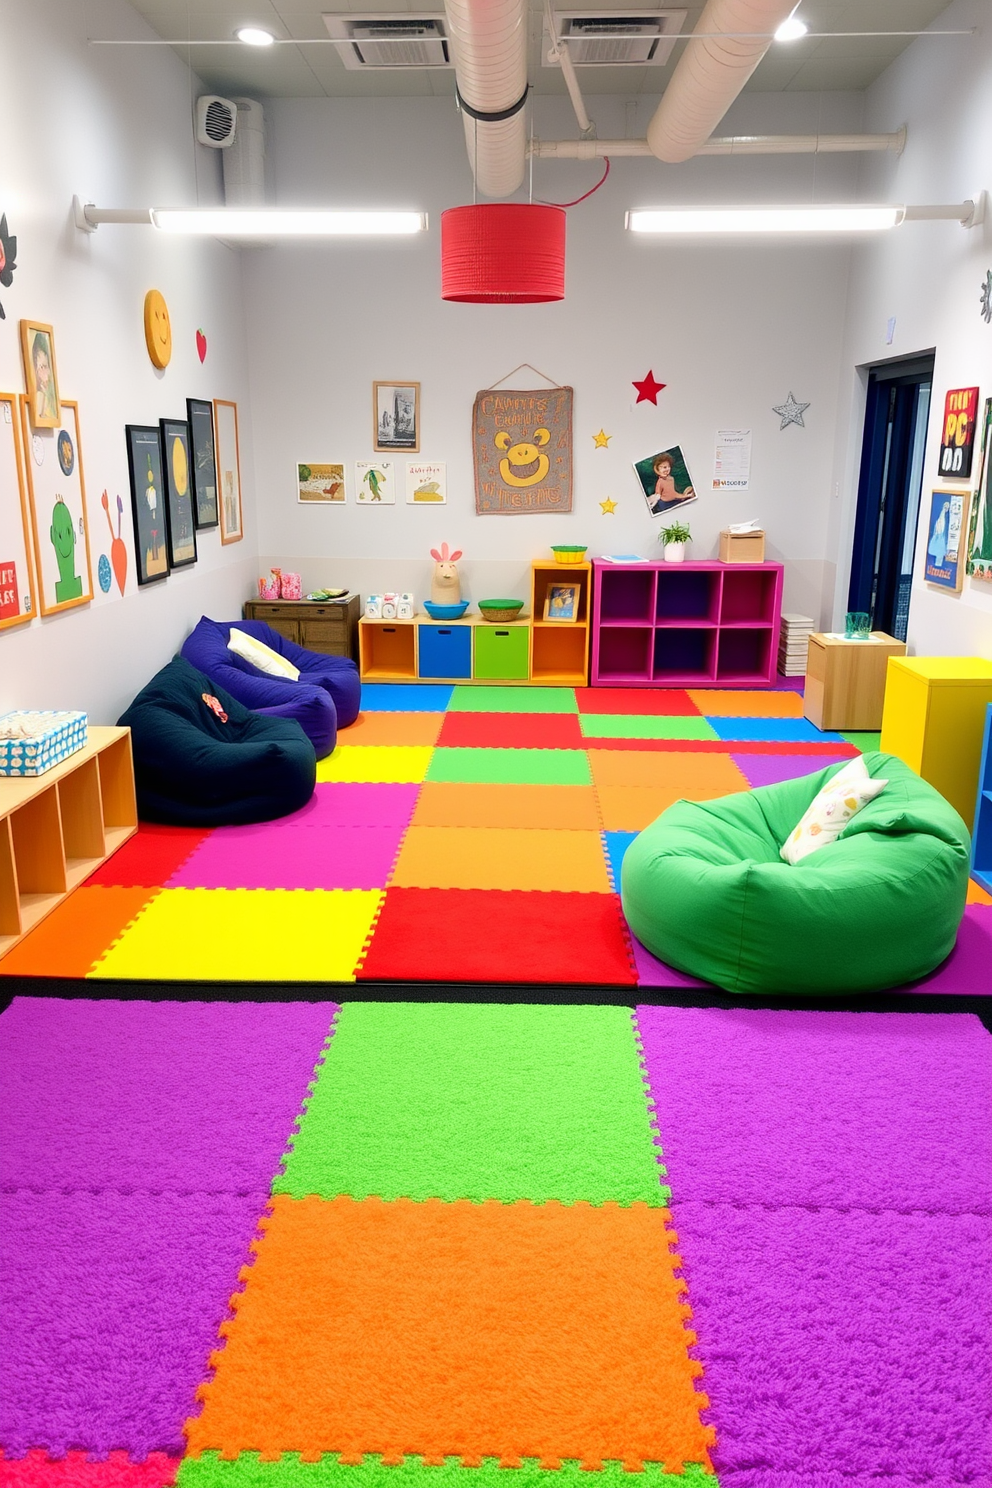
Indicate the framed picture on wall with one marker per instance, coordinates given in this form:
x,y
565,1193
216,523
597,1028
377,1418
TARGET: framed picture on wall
x,y
203,465
947,535
957,436
665,481
396,416
180,524
17,597
979,563
54,464
40,376
228,470
151,539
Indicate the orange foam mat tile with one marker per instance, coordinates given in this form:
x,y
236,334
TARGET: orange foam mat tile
x,y
717,702
69,941
393,728
976,894
631,808
555,807
458,1330
683,772
501,858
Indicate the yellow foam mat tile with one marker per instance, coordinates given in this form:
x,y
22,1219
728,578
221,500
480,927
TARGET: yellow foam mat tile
x,y
382,764
501,858
246,935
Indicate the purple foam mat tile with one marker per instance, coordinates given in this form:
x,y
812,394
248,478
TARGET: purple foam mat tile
x,y
880,1110
111,1306
153,1095
770,769
339,804
842,1347
654,973
331,858
968,969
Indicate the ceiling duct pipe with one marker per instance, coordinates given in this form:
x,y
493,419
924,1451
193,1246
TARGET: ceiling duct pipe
x,y
488,41
732,37
741,144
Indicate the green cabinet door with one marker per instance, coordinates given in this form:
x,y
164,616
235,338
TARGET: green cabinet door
x,y
500,653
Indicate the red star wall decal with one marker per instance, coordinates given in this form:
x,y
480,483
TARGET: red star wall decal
x,y
648,389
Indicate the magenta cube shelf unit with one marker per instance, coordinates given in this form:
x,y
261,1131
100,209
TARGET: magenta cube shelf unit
x,y
685,624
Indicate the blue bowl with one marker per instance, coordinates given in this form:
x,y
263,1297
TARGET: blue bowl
x,y
446,612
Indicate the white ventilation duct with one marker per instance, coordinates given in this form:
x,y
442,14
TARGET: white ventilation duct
x,y
244,159
488,40
731,38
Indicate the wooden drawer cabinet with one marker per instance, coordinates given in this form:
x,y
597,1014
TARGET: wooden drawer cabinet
x,y
329,628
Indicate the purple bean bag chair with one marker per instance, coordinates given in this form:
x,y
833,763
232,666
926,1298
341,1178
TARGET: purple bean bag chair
x,y
326,696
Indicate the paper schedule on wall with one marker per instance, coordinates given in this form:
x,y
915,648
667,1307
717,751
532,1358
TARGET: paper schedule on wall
x,y
732,460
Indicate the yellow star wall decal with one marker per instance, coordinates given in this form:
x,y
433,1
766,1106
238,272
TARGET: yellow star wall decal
x,y
601,440
608,506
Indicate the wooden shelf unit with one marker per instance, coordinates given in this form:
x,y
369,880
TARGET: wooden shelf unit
x,y
57,828
707,624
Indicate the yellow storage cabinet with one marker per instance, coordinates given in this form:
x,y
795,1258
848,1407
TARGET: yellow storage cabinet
x,y
933,718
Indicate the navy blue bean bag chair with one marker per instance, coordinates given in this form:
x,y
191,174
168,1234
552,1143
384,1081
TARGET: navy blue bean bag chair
x,y
322,680
201,759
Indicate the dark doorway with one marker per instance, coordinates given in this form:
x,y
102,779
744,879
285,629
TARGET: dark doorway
x,y
889,490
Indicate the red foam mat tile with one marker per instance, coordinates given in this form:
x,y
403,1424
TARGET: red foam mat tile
x,y
663,701
149,858
37,1470
492,935
511,731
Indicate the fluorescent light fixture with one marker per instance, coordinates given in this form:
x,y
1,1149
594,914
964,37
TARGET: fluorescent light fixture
x,y
764,219
791,30
254,222
255,36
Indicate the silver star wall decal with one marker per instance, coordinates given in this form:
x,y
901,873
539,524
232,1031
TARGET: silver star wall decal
x,y
790,412
987,298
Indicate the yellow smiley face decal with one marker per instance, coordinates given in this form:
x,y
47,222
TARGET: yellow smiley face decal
x,y
523,464
158,329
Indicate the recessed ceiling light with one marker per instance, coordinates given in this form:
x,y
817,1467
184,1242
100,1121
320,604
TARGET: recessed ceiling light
x,y
791,30
255,36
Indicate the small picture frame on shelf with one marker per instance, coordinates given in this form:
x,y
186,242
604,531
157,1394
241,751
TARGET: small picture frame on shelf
x,y
396,416
562,602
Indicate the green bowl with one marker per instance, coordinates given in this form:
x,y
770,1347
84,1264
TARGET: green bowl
x,y
499,611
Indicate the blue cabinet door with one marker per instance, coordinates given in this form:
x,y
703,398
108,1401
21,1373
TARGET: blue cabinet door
x,y
445,650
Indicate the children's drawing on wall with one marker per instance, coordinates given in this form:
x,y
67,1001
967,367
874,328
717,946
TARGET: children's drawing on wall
x,y
118,549
144,461
374,484
58,516
426,483
664,478
320,483
396,416
178,492
522,443
945,538
980,527
40,376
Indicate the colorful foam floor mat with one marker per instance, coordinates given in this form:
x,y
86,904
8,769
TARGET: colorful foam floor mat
x,y
388,1245
457,834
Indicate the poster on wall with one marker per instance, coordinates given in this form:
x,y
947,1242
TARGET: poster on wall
x,y
17,598
957,438
396,416
664,480
320,483
200,417
228,470
178,492
522,445
151,540
374,484
426,483
58,513
980,526
732,460
946,536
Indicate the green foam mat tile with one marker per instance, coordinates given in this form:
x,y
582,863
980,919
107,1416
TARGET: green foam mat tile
x,y
866,741
456,1101
513,700
644,726
289,1471
510,766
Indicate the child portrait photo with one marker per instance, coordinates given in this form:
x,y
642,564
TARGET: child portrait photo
x,y
664,478
40,378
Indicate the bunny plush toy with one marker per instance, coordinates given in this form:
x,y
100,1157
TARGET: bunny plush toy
x,y
445,587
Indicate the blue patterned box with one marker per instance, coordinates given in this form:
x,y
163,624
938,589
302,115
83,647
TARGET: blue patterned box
x,y
40,740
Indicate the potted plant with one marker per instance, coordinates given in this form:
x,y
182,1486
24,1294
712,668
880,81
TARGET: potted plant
x,y
674,537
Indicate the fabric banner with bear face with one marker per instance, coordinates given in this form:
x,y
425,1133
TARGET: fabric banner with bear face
x,y
522,442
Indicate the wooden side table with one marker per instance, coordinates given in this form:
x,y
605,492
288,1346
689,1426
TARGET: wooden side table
x,y
328,626
934,719
845,680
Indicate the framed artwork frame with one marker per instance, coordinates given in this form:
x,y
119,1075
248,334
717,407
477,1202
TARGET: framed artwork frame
x,y
40,375
320,483
203,463
957,435
979,564
148,509
664,480
396,417
180,522
54,464
947,540
17,595
228,457
561,603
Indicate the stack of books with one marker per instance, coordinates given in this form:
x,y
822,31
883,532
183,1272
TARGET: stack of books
x,y
793,644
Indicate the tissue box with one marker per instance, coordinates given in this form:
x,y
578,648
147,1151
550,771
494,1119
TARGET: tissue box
x,y
60,735
742,547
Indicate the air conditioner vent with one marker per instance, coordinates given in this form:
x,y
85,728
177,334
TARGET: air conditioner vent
x,y
644,39
216,121
380,42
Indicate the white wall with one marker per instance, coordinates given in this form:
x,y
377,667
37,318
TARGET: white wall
x,y
732,328
928,276
113,126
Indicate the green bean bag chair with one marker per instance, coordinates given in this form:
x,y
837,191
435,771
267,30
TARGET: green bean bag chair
x,y
705,890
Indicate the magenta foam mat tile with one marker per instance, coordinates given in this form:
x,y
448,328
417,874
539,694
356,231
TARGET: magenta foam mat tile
x,y
968,969
112,1304
769,769
340,804
153,1095
654,973
333,858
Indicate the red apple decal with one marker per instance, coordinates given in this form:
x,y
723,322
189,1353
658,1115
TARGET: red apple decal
x,y
201,346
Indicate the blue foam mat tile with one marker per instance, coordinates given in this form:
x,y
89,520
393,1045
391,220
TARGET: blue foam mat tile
x,y
773,730
405,697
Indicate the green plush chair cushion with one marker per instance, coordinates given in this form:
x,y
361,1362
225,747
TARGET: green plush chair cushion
x,y
705,890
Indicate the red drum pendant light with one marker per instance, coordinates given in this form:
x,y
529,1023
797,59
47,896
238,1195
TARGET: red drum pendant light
x,y
503,254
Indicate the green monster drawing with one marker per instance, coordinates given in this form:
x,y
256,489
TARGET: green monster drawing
x,y
373,479
68,585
